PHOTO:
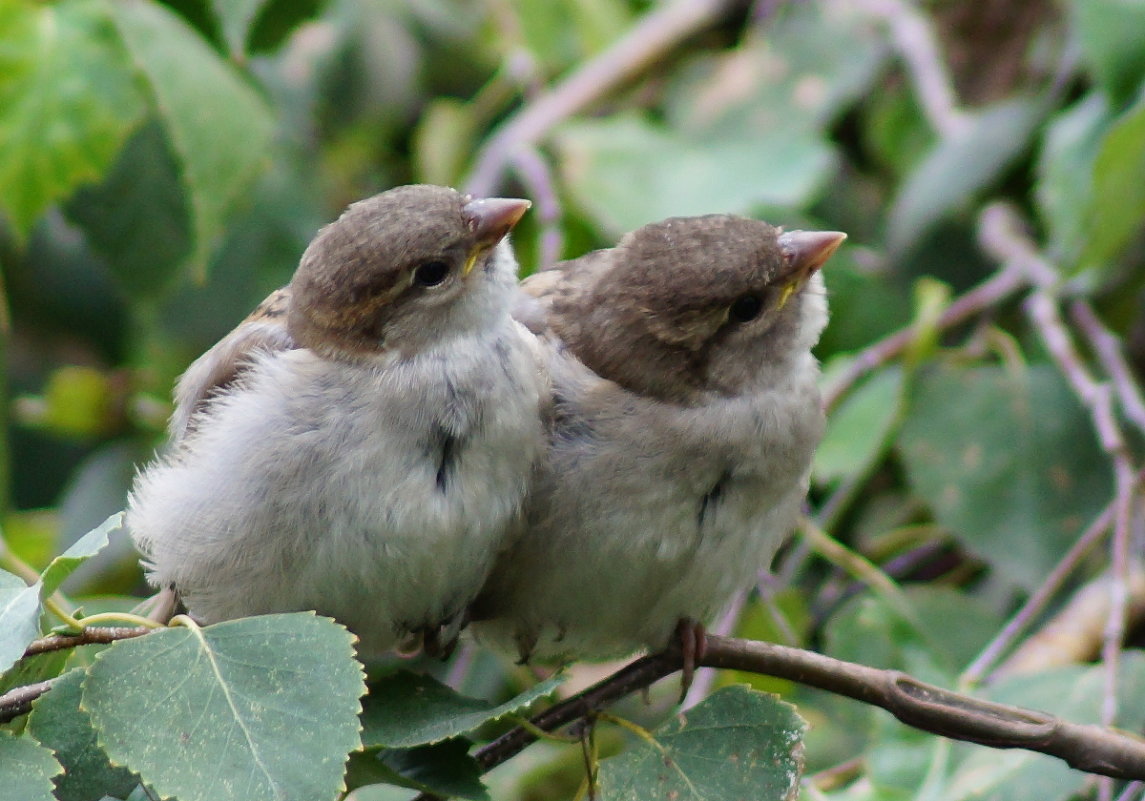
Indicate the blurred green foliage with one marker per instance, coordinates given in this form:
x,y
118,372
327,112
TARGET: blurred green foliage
x,y
163,165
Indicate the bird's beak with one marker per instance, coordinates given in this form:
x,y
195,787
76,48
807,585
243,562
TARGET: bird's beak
x,y
804,252
490,219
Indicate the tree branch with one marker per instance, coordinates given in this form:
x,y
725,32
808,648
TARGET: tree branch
x,y
96,635
1039,599
912,33
923,706
1002,234
997,288
657,33
18,701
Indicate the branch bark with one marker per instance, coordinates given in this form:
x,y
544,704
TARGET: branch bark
x,y
923,706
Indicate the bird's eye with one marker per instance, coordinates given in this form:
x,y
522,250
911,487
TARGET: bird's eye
x,y
746,308
431,273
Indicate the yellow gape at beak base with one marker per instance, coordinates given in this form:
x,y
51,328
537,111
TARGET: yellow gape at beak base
x,y
469,262
788,290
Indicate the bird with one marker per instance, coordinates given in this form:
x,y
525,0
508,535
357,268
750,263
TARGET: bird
x,y
681,423
361,444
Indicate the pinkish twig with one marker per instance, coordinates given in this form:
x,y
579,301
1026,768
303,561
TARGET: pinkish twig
x,y
534,172
658,32
1107,347
997,288
1002,234
1038,601
913,36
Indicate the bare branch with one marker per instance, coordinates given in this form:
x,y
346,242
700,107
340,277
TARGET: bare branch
x,y
658,32
934,709
1040,598
18,701
1002,234
912,33
1109,353
924,706
91,636
537,177
991,292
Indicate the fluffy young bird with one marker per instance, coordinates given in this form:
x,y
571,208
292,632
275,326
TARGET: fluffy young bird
x,y
684,413
362,443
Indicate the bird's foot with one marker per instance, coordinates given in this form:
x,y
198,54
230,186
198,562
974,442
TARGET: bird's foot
x,y
691,637
162,606
439,642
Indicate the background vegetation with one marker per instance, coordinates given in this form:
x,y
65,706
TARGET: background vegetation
x,y
976,516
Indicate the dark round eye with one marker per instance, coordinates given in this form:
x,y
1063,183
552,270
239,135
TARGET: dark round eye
x,y
746,308
431,273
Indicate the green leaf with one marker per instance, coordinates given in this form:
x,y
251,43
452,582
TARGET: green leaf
x,y
797,74
744,130
276,20
444,769
1117,212
857,431
220,129
443,140
19,617
67,102
597,22
1064,190
80,551
236,17
1075,693
626,172
77,402
865,305
26,768
137,218
405,709
33,669
959,166
738,743
60,723
20,603
1008,462
1111,33
952,628
258,708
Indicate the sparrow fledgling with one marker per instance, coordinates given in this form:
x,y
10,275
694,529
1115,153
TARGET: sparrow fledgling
x,y
362,443
684,413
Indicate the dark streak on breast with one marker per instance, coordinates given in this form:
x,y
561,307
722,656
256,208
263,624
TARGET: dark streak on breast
x,y
446,460
712,497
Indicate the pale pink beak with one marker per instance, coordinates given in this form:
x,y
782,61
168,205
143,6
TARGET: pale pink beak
x,y
492,218
805,251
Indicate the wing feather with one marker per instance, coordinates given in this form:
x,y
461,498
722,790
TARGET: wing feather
x,y
221,366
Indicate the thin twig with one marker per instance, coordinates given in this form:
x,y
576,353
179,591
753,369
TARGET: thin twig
x,y
913,36
927,707
537,177
1131,790
658,32
18,701
1075,632
1038,601
1107,347
89,636
1002,234
991,292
